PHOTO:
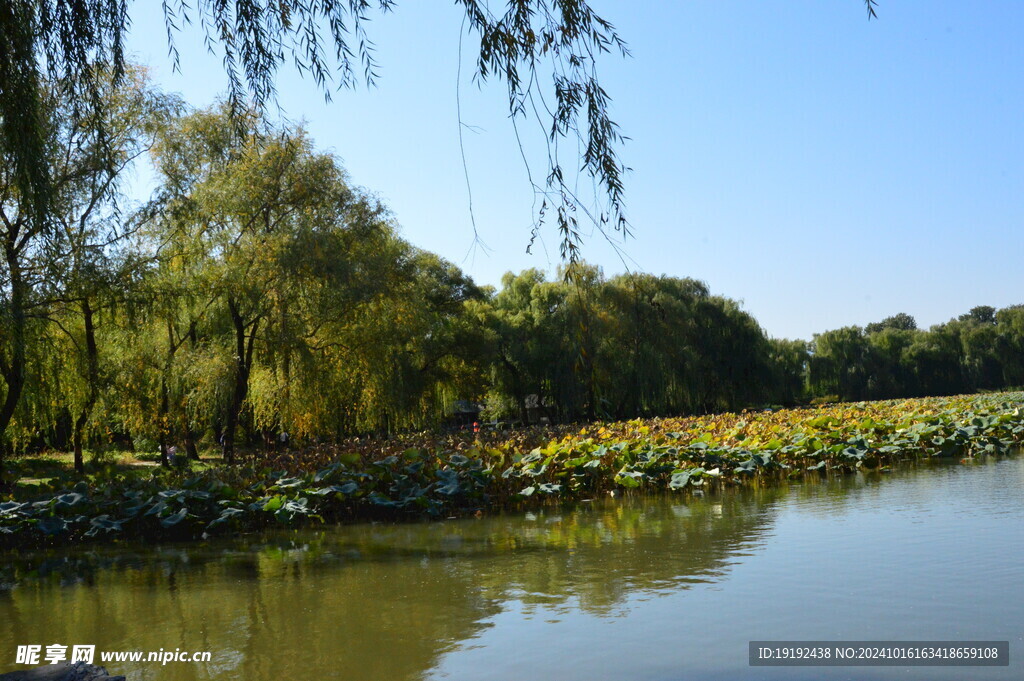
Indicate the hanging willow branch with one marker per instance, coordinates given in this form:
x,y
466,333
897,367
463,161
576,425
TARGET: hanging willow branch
x,y
544,50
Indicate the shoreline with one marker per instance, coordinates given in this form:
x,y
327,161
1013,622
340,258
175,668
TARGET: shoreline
x,y
682,456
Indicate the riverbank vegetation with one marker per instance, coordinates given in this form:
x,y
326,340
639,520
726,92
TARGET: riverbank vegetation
x,y
260,299
435,476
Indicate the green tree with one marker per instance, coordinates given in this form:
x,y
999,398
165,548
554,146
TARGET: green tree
x,y
58,265
936,358
890,373
981,314
627,346
517,371
838,365
258,216
789,361
91,263
1010,344
900,321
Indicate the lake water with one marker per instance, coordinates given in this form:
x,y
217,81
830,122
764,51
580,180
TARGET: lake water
x,y
663,588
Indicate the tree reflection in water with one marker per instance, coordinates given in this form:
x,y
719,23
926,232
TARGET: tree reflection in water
x,y
370,601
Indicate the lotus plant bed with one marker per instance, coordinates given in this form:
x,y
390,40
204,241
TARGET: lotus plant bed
x,y
435,476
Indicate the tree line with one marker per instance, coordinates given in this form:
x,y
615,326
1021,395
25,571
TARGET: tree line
x,y
259,292
982,349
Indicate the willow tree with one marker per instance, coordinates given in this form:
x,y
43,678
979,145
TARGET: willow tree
x,y
425,351
92,265
632,345
277,244
57,264
657,363
548,341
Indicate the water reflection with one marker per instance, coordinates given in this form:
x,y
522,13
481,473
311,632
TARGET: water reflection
x,y
382,602
640,588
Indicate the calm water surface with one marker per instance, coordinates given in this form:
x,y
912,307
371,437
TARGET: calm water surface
x,y
652,588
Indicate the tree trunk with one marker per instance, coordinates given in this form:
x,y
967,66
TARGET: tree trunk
x,y
190,435
92,378
163,436
76,440
190,444
283,419
164,426
243,363
518,393
13,366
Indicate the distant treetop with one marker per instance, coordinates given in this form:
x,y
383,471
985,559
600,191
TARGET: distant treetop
x,y
901,321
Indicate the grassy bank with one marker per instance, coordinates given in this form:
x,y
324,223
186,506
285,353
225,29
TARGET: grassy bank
x,y
434,476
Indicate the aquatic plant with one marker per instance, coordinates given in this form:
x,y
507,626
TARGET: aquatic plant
x,y
417,477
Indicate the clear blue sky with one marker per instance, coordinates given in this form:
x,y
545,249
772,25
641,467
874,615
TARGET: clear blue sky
x,y
824,169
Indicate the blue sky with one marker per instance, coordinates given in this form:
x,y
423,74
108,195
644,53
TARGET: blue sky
x,y
821,168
